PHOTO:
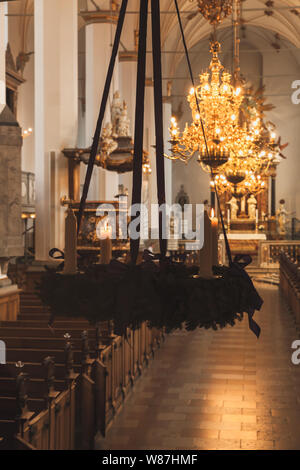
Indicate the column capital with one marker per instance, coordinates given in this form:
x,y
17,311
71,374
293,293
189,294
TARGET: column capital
x,y
102,16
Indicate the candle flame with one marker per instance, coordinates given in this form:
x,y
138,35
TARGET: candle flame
x,y
212,213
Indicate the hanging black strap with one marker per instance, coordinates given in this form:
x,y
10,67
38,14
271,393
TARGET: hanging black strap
x,y
228,251
139,125
158,99
104,100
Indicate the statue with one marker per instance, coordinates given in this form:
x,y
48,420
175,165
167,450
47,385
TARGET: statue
x,y
282,217
108,144
252,203
182,197
123,126
233,207
116,111
243,206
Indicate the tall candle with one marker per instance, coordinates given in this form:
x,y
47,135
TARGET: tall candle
x,y
105,244
228,219
214,238
70,266
256,216
205,254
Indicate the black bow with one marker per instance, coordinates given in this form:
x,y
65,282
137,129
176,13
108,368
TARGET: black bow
x,y
60,255
237,268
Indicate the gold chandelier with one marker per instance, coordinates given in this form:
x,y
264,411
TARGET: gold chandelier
x,y
219,103
228,131
215,11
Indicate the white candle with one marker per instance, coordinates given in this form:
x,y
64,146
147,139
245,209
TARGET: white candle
x,y
256,216
105,244
228,218
214,238
205,254
70,266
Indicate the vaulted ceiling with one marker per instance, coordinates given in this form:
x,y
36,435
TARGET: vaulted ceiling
x,y
283,19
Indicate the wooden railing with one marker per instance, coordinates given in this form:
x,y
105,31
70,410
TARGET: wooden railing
x,y
271,250
290,284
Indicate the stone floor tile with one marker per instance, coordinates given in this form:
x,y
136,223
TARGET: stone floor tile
x,y
212,390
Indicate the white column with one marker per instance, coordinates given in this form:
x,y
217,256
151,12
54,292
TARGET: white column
x,y
128,70
3,45
167,114
149,139
99,40
56,114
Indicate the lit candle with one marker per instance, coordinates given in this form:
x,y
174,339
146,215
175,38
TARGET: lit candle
x,y
105,244
214,238
70,266
205,254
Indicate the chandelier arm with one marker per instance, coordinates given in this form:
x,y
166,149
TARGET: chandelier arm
x,y
228,251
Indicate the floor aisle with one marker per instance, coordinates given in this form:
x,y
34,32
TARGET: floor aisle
x,y
218,390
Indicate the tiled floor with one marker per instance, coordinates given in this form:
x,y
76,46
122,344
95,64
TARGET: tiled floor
x,y
218,390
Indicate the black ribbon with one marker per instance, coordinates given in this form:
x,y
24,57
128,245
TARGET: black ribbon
x,y
158,100
139,124
56,253
236,267
104,100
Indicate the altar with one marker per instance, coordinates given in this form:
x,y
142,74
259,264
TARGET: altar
x,y
242,243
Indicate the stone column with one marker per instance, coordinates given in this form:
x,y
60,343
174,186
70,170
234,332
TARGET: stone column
x,y
167,114
128,70
149,138
56,114
10,209
273,196
100,31
3,45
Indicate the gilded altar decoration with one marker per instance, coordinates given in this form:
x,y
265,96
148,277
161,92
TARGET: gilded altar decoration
x,y
116,146
115,149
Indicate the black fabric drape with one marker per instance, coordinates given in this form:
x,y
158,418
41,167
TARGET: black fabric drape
x,y
158,105
104,100
139,124
228,250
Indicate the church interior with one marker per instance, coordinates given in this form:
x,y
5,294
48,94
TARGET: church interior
x,y
150,225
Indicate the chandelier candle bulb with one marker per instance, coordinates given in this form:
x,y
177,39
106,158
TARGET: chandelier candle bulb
x,y
228,219
214,238
205,254
106,244
70,266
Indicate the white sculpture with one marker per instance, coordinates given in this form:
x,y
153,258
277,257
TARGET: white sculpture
x,y
116,111
233,207
252,203
123,125
282,217
108,143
